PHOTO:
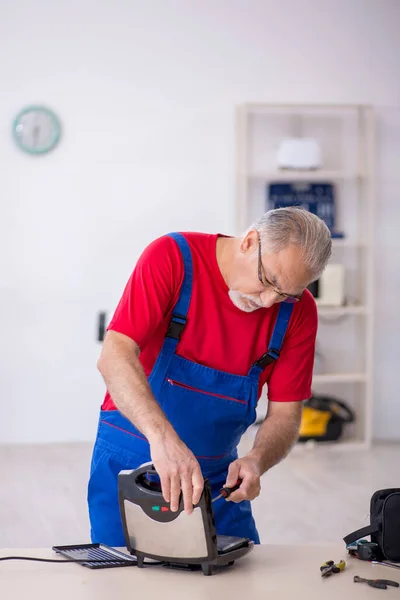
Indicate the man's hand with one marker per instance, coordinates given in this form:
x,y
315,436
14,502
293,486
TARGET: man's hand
x,y
178,469
247,469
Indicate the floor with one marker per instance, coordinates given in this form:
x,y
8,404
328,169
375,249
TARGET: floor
x,y
315,495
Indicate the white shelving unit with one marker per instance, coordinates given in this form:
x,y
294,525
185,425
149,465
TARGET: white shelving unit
x,y
346,134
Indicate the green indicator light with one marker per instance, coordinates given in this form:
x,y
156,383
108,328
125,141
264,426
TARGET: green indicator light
x,y
155,508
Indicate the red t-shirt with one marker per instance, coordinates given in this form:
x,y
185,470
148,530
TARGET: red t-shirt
x,y
217,333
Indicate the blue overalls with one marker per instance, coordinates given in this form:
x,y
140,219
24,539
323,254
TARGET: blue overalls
x,y
209,409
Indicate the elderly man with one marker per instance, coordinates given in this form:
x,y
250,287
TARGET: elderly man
x,y
203,323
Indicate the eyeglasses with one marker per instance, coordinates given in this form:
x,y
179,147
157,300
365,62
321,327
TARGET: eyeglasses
x,y
266,283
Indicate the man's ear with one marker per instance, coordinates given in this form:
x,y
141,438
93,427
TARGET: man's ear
x,y
250,242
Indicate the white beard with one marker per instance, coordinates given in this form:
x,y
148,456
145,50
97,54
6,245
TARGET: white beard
x,y
245,302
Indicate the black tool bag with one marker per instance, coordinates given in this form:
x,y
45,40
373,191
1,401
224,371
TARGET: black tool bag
x,y
385,524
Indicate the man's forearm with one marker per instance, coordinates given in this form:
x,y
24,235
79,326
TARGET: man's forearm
x,y
127,385
274,440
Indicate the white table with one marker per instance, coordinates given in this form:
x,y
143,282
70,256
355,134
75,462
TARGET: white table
x,y
268,573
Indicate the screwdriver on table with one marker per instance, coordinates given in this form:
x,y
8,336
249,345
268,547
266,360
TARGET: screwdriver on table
x,y
225,492
380,584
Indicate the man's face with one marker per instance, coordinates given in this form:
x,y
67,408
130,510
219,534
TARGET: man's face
x,y
266,279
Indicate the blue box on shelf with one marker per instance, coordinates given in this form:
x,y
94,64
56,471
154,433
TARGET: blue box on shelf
x,y
318,198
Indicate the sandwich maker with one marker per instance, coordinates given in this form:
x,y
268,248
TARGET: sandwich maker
x,y
175,539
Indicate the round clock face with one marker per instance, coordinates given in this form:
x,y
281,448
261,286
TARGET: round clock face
x,y
36,129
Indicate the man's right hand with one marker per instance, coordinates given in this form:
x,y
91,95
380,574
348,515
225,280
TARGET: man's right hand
x,y
178,470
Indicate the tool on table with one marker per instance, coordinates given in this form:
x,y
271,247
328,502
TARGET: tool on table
x,y
178,540
225,492
385,563
330,567
381,584
364,550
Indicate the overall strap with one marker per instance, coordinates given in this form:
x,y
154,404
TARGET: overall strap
x,y
275,345
179,315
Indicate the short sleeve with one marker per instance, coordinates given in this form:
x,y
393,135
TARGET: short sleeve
x,y
150,292
291,376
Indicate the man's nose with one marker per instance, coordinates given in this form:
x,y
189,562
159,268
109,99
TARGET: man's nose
x,y
269,298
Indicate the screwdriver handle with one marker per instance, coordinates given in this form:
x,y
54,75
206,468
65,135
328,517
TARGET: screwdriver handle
x,y
226,491
377,584
388,582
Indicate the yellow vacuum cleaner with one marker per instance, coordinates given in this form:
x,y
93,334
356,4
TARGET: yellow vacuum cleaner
x,y
323,419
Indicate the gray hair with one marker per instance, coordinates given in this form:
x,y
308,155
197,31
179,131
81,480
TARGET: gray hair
x,y
295,225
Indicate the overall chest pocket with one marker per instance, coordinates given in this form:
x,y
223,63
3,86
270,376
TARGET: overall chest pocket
x,y
209,420
185,386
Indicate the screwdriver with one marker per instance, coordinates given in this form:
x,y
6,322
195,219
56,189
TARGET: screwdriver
x,y
225,492
380,584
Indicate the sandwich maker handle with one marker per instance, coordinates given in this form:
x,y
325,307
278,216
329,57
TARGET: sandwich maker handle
x,y
140,477
145,470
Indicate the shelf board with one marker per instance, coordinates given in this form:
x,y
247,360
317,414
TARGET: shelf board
x,y
300,175
338,311
339,378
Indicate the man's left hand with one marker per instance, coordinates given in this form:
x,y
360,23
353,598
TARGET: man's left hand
x,y
247,469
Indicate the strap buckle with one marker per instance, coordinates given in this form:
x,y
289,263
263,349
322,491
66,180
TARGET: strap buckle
x,y
267,358
176,326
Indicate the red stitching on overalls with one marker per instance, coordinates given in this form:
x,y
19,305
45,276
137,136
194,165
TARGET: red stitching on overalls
x,y
144,439
124,430
193,389
211,457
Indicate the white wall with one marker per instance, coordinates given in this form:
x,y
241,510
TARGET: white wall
x,y
387,355
147,92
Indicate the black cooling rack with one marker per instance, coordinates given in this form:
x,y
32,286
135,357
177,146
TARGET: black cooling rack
x,y
96,556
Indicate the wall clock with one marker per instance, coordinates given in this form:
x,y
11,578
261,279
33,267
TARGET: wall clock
x,y
36,129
